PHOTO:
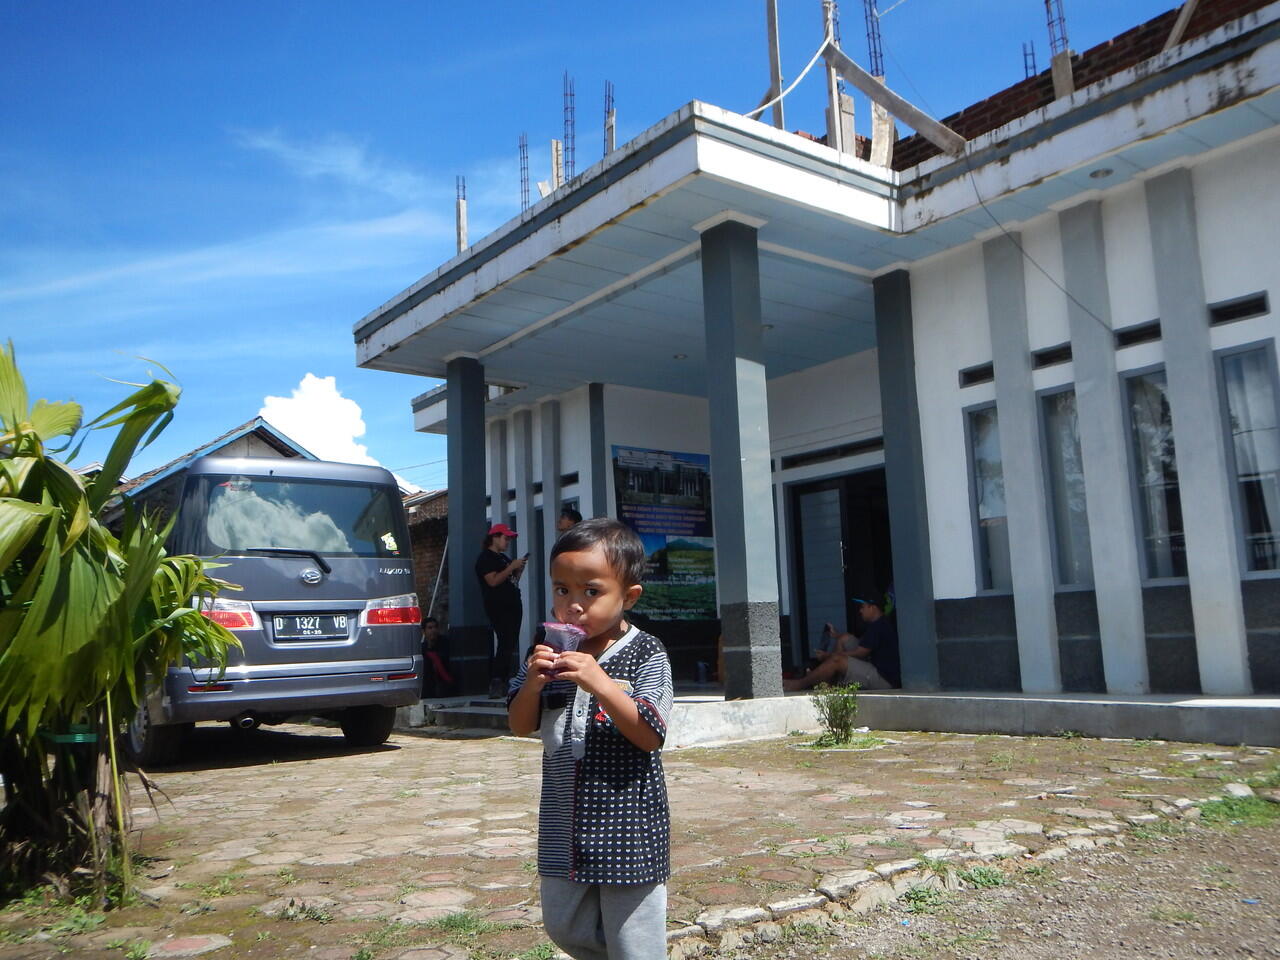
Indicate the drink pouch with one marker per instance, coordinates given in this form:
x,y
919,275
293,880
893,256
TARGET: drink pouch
x,y
563,637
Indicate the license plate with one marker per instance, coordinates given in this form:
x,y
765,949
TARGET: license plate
x,y
321,626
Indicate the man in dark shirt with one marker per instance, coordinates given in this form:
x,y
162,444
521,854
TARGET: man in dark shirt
x,y
498,575
871,661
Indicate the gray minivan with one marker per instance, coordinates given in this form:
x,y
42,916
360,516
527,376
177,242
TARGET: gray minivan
x,y
328,619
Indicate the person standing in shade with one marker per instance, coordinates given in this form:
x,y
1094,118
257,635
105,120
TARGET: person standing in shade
x,y
498,575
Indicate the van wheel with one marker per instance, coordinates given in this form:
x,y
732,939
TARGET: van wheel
x,y
154,745
367,726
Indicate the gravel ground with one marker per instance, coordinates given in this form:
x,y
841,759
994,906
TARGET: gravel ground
x,y
1183,892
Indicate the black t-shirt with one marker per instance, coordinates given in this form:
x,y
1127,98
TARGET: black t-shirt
x,y
505,597
881,638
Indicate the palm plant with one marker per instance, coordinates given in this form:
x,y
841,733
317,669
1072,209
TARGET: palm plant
x,y
85,616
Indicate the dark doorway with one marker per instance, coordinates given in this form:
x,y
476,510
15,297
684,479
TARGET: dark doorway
x,y
841,549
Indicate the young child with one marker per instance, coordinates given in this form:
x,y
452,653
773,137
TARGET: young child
x,y
603,823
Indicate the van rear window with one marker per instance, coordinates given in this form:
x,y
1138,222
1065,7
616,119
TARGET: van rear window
x,y
229,514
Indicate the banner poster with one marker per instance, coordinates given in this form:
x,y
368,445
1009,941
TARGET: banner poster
x,y
665,497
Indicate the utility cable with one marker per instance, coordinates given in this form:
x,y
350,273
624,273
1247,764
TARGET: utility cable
x,y
415,466
973,181
826,41
880,14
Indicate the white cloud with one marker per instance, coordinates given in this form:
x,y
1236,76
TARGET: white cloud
x,y
339,158
318,250
321,419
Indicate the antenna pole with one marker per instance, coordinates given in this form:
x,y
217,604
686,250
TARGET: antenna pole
x,y
524,172
874,50
775,63
834,138
557,164
570,135
461,212
1063,79
610,119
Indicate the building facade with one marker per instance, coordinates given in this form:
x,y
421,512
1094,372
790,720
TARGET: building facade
x,y
1031,388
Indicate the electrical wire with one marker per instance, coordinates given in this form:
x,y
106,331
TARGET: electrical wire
x,y
415,466
880,14
973,181
826,41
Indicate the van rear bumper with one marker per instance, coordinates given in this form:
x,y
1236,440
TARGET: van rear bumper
x,y
316,694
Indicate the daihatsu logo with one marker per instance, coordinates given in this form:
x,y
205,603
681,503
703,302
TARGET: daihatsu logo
x,y
310,576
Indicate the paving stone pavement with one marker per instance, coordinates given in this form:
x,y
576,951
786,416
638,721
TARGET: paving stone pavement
x,y
284,842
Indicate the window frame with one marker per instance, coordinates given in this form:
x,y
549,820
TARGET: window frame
x,y
975,531
1268,346
1043,427
1135,493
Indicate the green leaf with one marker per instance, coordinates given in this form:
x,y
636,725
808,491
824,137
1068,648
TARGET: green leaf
x,y
13,390
149,408
51,420
19,522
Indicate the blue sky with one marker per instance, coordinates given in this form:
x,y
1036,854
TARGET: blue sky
x,y
226,188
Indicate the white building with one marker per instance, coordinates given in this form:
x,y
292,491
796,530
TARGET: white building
x,y
1034,387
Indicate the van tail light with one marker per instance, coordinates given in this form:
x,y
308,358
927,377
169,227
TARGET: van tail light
x,y
401,609
233,614
210,688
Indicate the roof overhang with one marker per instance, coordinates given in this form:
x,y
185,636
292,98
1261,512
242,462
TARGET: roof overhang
x,y
601,280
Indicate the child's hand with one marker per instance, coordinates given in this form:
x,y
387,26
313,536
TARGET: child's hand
x,y
583,669
542,663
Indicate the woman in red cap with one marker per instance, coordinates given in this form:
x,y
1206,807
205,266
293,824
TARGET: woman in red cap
x,y
498,575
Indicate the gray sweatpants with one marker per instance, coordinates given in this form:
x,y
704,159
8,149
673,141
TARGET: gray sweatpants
x,y
606,921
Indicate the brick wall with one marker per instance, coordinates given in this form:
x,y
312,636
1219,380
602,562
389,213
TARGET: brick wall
x,y
428,539
428,531
1119,53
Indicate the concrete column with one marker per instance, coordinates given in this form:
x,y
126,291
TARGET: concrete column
x,y
904,476
498,480
1100,410
470,639
522,480
741,472
549,429
597,487
1024,486
1213,565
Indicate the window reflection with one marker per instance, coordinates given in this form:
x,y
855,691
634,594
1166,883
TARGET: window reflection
x,y
1255,443
1156,469
988,484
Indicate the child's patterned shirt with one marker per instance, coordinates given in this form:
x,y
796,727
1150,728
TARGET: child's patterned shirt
x,y
603,817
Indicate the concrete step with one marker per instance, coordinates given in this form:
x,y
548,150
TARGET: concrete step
x,y
455,712
705,718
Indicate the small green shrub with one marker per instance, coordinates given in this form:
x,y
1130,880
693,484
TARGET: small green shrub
x,y
1239,812
923,899
837,710
984,877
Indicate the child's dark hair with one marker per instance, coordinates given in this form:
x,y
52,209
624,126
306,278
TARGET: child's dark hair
x,y
622,547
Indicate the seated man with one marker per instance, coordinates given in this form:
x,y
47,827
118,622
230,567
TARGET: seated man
x,y
437,681
870,661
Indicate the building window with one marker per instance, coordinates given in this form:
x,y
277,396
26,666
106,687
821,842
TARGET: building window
x,y
994,572
1249,387
1070,512
1156,472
